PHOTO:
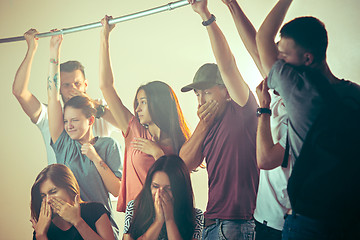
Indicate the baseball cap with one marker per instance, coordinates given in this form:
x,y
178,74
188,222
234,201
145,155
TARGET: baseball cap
x,y
206,77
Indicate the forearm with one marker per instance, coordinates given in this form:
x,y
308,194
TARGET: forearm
x,y
41,236
232,78
55,115
191,151
172,230
268,154
85,231
112,183
265,38
246,31
119,112
153,231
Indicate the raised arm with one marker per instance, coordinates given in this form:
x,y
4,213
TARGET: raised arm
x,y
246,31
265,38
120,113
235,84
268,154
29,103
56,119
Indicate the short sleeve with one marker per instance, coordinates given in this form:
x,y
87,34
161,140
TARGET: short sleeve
x,y
113,158
199,224
129,212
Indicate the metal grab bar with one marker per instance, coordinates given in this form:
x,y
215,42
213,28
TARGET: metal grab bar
x,y
167,7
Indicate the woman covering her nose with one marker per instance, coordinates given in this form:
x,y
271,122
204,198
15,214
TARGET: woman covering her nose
x,y
164,208
57,211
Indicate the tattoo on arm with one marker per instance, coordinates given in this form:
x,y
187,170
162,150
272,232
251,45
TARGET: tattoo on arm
x,y
56,81
49,83
103,165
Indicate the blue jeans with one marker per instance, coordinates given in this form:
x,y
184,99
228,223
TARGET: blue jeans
x,y
230,229
299,227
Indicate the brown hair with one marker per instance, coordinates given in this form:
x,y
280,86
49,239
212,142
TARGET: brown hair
x,y
165,112
84,103
61,176
71,66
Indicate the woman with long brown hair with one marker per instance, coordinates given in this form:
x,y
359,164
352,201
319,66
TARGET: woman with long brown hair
x,y
156,127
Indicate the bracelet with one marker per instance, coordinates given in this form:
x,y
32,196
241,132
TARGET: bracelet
x,y
52,60
260,111
100,111
209,21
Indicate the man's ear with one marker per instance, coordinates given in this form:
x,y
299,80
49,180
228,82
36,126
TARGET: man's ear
x,y
226,94
91,120
86,84
308,59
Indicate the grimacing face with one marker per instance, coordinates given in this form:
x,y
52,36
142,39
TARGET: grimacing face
x,y
71,83
48,190
76,124
160,182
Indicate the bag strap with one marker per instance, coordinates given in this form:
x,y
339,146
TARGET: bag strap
x,y
285,161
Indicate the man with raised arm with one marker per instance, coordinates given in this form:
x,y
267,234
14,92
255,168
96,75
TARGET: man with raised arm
x,y
225,136
291,67
73,83
272,201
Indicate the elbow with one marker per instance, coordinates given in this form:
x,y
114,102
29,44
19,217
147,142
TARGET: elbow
x,y
17,92
266,163
115,192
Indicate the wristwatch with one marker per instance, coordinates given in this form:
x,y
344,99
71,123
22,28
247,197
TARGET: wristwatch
x,y
100,111
260,111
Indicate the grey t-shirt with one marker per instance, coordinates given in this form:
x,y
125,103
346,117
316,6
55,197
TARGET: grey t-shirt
x,y
92,188
302,100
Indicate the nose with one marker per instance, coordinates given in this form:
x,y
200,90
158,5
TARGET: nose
x,y
70,125
138,108
201,99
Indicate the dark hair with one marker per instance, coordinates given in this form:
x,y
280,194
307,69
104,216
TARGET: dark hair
x,y
84,103
61,176
71,66
310,34
165,112
182,192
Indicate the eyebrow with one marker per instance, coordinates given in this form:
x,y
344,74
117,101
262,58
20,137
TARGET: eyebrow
x,y
52,189
154,183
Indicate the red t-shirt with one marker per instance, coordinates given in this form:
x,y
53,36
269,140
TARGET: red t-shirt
x,y
230,153
136,164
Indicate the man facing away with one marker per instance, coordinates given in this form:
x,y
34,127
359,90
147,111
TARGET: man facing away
x,y
302,50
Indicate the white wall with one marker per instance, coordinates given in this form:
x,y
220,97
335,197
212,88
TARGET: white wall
x,y
168,46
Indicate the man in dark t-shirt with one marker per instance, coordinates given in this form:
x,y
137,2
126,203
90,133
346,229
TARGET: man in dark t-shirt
x,y
226,138
302,50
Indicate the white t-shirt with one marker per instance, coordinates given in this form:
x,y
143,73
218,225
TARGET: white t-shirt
x,y
272,201
101,128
